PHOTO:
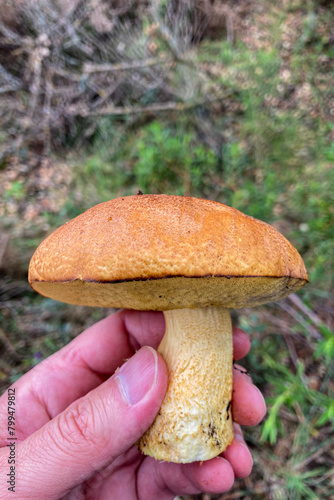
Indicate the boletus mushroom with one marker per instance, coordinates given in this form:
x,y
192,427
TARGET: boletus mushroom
x,y
193,259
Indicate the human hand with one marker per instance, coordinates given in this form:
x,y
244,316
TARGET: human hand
x,y
77,419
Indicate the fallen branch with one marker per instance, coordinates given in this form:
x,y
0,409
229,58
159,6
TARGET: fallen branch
x,y
167,106
290,310
124,66
9,88
306,310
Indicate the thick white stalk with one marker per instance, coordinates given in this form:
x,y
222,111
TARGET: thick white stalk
x,y
195,420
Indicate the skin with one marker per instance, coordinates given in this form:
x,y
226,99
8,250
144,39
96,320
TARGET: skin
x,y
78,416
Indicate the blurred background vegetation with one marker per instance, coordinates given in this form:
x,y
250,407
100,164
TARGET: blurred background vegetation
x,y
227,100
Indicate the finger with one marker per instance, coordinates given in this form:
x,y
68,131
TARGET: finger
x,y
148,328
93,431
238,454
248,404
78,368
165,480
68,374
241,343
144,327
89,359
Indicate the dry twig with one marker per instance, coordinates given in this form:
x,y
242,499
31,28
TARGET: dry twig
x,y
290,310
124,65
130,110
69,64
306,310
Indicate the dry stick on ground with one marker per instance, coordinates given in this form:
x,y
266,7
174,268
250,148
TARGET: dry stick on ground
x,y
168,62
306,310
291,311
326,447
76,77
92,69
287,415
291,347
47,111
122,66
167,106
37,58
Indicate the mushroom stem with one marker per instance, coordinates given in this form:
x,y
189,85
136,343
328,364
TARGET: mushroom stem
x,y
194,422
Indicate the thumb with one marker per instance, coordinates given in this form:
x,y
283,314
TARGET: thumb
x,y
93,430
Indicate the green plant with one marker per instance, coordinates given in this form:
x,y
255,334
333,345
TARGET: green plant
x,y
289,389
325,347
167,159
16,191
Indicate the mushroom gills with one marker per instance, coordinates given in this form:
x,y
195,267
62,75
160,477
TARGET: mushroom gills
x,y
194,422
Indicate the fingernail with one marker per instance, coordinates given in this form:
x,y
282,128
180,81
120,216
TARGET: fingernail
x,y
238,432
243,371
138,375
239,438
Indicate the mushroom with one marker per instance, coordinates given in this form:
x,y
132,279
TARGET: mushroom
x,y
193,259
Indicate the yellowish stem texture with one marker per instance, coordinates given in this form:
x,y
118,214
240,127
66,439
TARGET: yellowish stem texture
x,y
195,420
